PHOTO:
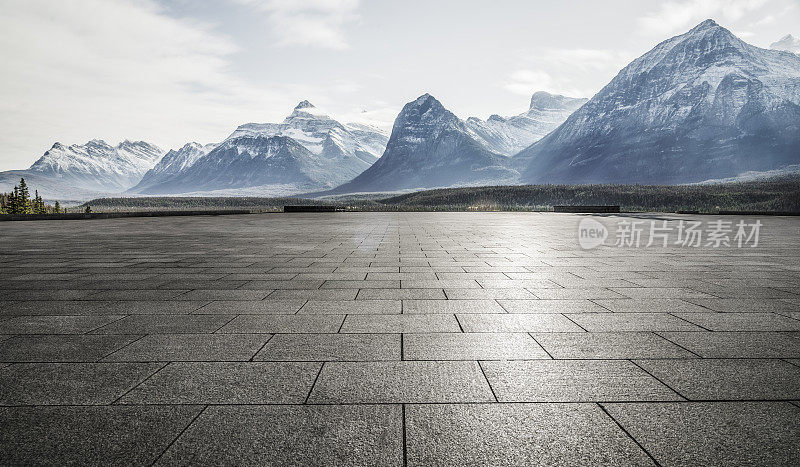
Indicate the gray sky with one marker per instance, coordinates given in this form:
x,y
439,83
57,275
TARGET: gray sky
x,y
173,71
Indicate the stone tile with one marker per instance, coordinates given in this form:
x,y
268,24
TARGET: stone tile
x,y
489,294
451,306
744,305
281,285
610,322
227,383
396,382
165,324
653,305
55,324
737,344
361,285
350,307
190,347
246,307
224,295
61,348
89,435
714,433
551,306
728,379
575,294
742,321
471,346
292,435
516,434
331,294
331,347
157,307
442,284
542,322
70,383
400,323
62,308
609,345
401,294
151,294
573,381
659,292
271,324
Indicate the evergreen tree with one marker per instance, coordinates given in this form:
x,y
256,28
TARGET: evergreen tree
x,y
13,201
23,199
56,208
88,209
38,204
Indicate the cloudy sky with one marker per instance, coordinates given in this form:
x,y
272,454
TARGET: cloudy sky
x,y
172,71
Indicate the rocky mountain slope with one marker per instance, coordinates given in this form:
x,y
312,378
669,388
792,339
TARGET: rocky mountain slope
x,y
510,135
430,147
699,106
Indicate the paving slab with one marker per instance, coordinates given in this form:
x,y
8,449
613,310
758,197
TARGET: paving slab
x,y
247,307
292,435
250,324
737,344
728,379
539,322
345,307
55,324
714,433
400,382
190,347
451,306
90,435
61,348
227,383
400,323
610,322
609,345
551,306
516,434
742,321
574,381
165,324
70,383
471,346
331,347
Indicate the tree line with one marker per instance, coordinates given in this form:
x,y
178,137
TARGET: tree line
x,y
19,201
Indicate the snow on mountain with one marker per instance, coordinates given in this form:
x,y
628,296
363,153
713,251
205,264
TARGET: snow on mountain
x,y
702,105
787,43
510,135
355,144
259,163
430,147
97,165
171,165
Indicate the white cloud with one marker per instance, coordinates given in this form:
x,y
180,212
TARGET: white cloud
x,y
319,23
564,71
74,70
678,16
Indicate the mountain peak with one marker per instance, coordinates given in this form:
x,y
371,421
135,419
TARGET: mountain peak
x,y
707,24
304,105
787,43
542,100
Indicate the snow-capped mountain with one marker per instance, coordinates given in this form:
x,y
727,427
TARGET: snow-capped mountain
x,y
276,164
171,165
355,144
430,147
510,135
97,165
702,105
787,43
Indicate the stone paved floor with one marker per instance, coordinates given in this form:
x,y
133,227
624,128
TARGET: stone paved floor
x,y
392,339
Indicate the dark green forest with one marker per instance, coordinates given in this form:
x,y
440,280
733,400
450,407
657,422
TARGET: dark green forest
x,y
775,195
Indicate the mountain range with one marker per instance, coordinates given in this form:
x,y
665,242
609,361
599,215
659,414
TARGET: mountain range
x,y
700,106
